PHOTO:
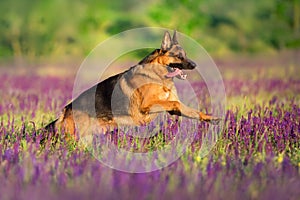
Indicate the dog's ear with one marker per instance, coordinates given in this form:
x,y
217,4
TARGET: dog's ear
x,y
166,42
174,40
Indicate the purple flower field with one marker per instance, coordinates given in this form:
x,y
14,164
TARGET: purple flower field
x,y
257,155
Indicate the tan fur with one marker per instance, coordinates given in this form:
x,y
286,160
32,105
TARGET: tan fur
x,y
164,60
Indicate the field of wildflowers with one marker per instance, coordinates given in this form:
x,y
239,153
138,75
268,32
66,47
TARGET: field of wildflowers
x,y
257,155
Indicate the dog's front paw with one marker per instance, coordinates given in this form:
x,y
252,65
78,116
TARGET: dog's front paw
x,y
215,120
210,119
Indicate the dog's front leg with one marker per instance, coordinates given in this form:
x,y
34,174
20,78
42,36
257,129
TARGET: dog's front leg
x,y
177,108
194,114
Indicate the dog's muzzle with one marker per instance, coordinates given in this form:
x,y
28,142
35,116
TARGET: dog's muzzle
x,y
175,69
190,64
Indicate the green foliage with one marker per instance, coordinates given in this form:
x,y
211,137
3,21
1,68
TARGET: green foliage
x,y
34,29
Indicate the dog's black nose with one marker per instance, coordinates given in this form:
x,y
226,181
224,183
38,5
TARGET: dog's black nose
x,y
192,64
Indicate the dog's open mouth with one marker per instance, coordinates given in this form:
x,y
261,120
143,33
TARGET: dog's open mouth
x,y
175,72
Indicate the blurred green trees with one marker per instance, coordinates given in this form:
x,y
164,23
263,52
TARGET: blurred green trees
x,y
55,28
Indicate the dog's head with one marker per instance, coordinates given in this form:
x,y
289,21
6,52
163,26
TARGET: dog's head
x,y
172,55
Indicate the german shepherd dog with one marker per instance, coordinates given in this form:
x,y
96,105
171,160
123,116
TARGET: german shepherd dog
x,y
134,97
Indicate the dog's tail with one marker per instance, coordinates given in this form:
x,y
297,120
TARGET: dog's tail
x,y
49,132
51,126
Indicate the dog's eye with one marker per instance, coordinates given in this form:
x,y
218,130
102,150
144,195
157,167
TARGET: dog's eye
x,y
180,56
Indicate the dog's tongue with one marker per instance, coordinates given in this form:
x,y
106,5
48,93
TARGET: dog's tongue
x,y
178,73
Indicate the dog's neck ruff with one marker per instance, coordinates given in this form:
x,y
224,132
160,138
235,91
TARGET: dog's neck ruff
x,y
175,72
